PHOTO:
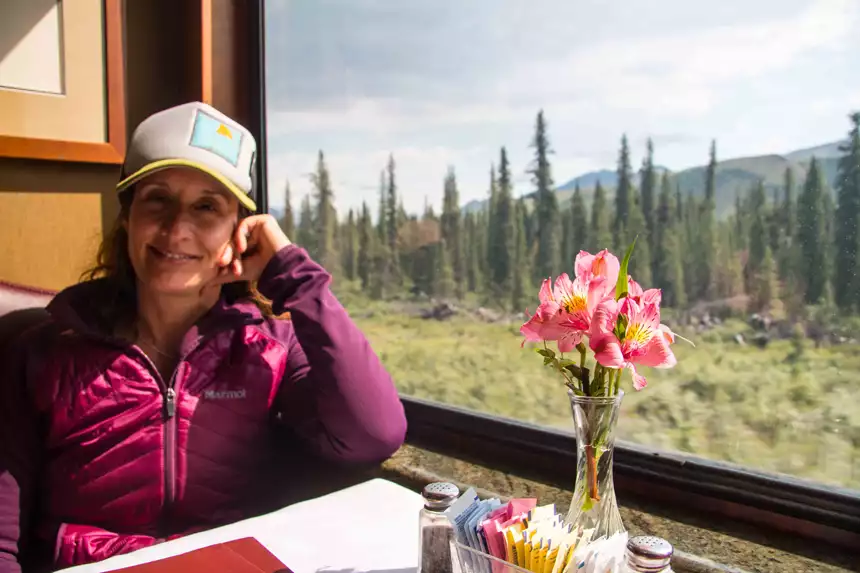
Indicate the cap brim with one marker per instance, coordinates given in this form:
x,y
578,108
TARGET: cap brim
x,y
163,164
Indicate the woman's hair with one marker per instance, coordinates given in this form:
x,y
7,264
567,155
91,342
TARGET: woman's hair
x,y
113,265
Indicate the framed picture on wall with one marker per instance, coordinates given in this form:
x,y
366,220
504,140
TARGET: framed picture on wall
x,y
62,81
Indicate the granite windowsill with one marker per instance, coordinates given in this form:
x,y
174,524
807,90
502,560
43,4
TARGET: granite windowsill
x,y
703,544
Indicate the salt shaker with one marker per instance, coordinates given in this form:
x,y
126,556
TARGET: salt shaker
x,y
435,529
649,554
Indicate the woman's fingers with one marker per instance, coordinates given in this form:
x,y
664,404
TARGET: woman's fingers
x,y
242,232
227,255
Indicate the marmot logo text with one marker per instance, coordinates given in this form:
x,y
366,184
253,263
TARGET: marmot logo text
x,y
224,394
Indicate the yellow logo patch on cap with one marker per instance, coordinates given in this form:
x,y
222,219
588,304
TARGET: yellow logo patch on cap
x,y
224,130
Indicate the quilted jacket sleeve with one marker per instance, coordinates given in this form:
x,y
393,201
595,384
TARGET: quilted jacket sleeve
x,y
80,544
336,394
20,451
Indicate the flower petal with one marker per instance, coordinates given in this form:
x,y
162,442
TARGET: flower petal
x,y
639,381
582,265
633,288
545,293
607,351
568,341
604,319
657,353
563,289
607,266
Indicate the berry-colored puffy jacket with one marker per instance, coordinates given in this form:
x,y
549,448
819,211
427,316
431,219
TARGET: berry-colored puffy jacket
x,y
99,455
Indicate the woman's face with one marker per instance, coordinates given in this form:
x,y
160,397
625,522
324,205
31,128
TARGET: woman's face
x,y
179,223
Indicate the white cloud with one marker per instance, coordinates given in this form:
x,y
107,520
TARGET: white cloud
x,y
680,81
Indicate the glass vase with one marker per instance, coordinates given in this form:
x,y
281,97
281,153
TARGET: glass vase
x,y
593,505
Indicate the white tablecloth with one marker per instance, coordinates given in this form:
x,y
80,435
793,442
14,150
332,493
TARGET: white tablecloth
x,y
368,528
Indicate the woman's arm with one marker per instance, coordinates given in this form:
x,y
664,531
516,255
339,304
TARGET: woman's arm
x,y
336,395
20,450
81,544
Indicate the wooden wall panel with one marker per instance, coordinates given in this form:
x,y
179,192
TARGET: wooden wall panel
x,y
51,237
52,213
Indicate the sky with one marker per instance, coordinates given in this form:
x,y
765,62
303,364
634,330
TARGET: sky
x,y
446,83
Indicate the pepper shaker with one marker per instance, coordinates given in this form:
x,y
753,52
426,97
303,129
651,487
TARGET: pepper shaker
x,y
435,529
649,554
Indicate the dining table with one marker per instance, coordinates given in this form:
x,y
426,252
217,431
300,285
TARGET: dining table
x,y
371,527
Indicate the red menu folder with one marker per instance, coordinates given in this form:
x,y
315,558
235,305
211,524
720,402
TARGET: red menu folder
x,y
245,555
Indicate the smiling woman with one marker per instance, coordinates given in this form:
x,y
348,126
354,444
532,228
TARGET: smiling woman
x,y
173,360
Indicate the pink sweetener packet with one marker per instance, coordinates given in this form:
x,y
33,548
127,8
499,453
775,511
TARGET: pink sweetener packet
x,y
496,522
522,505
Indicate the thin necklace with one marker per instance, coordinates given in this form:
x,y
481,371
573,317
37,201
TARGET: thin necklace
x,y
157,349
142,340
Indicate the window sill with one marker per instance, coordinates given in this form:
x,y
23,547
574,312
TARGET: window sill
x,y
705,543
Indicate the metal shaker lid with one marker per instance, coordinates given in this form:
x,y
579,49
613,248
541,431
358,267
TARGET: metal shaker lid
x,y
440,495
648,554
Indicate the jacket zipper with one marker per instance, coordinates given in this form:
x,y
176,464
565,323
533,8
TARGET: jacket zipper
x,y
168,396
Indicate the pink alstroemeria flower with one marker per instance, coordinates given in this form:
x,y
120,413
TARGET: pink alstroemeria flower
x,y
543,324
565,310
604,266
628,332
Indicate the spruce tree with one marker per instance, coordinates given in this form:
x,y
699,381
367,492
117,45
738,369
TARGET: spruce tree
x,y
520,270
758,237
789,209
350,247
491,234
706,237
325,217
624,198
546,208
443,278
640,265
305,231
765,291
600,235
648,182
365,247
392,218
381,216
664,221
451,227
288,222
474,279
579,227
671,268
812,237
502,246
567,236
846,284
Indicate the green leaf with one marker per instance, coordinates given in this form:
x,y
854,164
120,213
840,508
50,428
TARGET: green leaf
x,y
547,360
546,352
621,285
574,369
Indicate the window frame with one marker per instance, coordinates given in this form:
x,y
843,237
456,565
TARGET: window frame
x,y
800,507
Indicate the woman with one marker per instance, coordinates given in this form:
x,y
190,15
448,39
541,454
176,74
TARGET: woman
x,y
142,409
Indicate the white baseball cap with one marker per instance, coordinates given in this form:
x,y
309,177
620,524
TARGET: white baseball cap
x,y
199,136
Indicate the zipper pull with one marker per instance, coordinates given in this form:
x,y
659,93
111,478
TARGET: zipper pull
x,y
170,402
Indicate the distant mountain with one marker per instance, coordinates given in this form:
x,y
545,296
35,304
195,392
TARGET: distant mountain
x,y
734,177
826,151
606,178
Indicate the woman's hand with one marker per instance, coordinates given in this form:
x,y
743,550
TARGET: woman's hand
x,y
256,240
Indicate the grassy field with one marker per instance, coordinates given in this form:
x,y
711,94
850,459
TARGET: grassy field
x,y
789,408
